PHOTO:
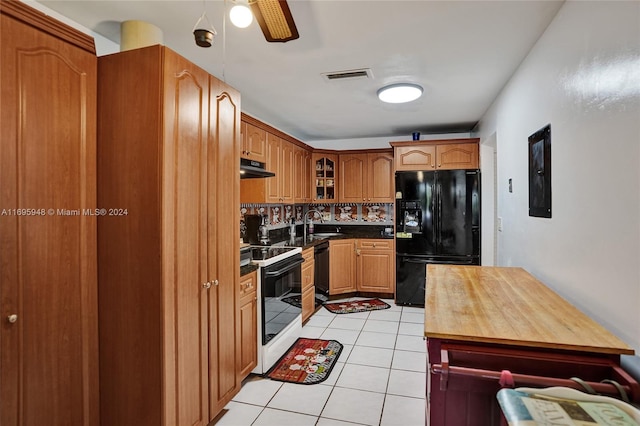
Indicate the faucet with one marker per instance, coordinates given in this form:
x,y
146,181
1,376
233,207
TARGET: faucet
x,y
304,223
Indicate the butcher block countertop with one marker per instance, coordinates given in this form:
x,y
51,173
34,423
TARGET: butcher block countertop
x,y
508,306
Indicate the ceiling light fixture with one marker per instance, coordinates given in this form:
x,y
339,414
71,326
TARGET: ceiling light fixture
x,y
400,93
240,14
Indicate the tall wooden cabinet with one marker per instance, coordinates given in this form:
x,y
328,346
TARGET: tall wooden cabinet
x,y
48,274
168,153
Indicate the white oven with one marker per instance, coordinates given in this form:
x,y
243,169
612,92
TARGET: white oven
x,y
279,288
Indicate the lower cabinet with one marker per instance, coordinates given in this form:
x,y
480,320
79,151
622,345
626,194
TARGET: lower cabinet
x,y
342,270
365,265
308,284
375,271
247,324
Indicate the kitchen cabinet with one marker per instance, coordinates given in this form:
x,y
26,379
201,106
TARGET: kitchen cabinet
x,y
48,257
366,177
168,152
342,262
362,265
277,189
324,177
301,175
375,266
308,296
247,324
449,154
254,143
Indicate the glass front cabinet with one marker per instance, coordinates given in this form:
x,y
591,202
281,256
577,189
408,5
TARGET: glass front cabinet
x,y
324,178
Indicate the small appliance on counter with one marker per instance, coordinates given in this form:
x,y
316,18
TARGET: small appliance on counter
x,y
252,223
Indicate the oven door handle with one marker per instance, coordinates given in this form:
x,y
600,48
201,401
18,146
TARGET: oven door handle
x,y
286,268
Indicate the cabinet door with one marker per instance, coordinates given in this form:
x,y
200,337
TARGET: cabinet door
x,y
353,178
223,197
419,157
247,325
187,156
375,270
48,273
380,178
286,172
342,268
274,160
308,289
254,146
301,160
457,156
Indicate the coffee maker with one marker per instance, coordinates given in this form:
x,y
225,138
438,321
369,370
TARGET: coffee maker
x,y
256,229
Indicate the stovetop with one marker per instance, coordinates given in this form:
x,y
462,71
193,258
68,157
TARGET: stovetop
x,y
267,255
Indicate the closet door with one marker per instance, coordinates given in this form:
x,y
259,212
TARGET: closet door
x,y
48,273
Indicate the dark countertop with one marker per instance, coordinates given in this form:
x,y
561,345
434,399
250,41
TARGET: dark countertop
x,y
247,269
346,232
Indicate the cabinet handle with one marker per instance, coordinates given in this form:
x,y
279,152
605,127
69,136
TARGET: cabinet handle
x,y
215,282
12,318
374,244
207,285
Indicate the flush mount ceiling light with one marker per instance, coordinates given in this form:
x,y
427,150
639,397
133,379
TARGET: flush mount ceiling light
x,y
275,20
240,14
400,93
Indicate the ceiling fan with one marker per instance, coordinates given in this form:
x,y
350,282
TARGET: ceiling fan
x,y
275,20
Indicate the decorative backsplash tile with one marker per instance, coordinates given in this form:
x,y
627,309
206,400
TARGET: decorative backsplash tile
x,y
374,212
279,215
345,212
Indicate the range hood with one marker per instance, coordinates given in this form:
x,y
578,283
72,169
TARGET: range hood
x,y
250,169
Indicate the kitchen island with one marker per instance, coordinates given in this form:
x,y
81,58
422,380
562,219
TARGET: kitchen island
x,y
489,327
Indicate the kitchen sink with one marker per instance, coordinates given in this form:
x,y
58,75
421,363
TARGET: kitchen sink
x,y
327,234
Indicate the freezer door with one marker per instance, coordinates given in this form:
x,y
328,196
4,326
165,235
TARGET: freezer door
x,y
416,188
458,210
411,275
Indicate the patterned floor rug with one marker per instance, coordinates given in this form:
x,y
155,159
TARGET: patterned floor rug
x,y
308,361
356,306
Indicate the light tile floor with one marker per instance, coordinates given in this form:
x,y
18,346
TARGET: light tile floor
x,y
379,378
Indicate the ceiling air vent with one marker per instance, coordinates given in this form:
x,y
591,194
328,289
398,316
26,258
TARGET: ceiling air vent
x,y
347,75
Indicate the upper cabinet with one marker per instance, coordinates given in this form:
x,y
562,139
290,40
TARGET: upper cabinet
x,y
366,178
436,155
324,175
254,143
281,157
301,175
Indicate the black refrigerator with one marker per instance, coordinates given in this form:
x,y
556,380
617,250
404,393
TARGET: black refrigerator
x,y
437,221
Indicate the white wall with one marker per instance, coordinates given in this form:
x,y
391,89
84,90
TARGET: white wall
x,y
104,46
582,77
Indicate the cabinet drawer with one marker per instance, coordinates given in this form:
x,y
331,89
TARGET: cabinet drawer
x,y
308,254
248,287
375,244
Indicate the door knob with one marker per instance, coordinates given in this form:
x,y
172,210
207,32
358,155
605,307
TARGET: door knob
x,y
12,318
207,285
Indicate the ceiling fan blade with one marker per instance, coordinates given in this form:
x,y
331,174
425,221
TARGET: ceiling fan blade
x,y
275,20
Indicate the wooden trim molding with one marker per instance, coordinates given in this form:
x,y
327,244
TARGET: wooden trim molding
x,y
35,18
434,142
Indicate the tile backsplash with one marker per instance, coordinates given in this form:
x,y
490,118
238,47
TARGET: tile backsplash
x,y
279,215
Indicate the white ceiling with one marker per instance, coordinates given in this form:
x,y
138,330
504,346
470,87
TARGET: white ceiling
x,y
461,52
